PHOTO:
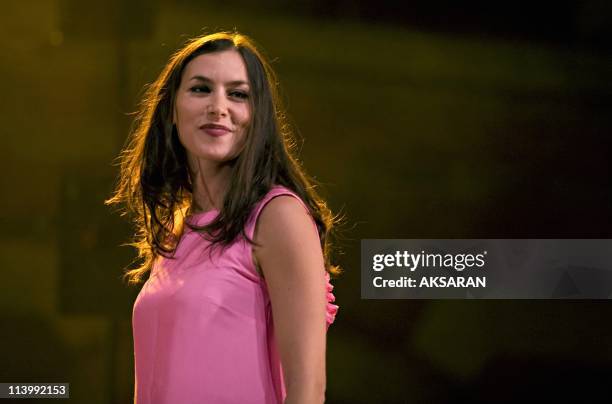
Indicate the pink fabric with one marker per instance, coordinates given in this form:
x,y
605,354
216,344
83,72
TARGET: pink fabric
x,y
202,325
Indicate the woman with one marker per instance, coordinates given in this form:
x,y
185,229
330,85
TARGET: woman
x,y
238,300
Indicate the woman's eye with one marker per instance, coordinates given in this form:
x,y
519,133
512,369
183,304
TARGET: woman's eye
x,y
239,94
200,89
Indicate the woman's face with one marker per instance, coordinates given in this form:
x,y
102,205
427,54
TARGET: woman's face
x,y
212,110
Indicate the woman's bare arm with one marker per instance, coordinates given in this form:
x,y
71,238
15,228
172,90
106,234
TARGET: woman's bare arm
x,y
291,260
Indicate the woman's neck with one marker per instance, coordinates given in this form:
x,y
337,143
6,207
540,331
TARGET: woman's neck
x,y
210,184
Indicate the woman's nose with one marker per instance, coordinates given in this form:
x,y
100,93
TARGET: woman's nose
x,y
217,106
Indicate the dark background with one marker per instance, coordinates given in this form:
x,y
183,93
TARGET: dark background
x,y
434,119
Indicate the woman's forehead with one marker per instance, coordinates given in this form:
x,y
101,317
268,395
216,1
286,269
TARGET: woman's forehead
x,y
225,66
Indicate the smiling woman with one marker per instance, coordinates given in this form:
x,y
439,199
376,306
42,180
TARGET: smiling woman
x,y
238,299
212,111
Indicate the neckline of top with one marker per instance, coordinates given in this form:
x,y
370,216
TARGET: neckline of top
x,y
199,217
205,213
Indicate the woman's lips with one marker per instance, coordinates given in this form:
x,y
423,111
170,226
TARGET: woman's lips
x,y
215,130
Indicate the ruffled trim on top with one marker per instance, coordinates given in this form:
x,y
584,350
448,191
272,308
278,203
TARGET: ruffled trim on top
x,y
332,309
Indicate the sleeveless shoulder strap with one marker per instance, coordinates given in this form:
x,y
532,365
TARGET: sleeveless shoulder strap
x,y
275,191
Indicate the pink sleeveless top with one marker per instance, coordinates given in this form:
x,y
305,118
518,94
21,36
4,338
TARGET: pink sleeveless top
x,y
202,324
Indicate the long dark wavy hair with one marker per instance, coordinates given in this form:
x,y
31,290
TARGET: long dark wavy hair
x,y
154,182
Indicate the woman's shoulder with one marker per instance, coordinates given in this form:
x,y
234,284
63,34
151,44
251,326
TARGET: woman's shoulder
x,y
279,206
275,193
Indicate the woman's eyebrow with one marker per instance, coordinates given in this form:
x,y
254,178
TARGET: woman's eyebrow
x,y
207,80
